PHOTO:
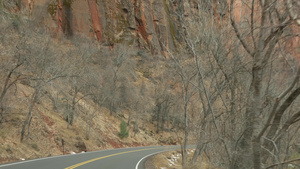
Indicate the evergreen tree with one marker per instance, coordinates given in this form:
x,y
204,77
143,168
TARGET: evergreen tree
x,y
123,130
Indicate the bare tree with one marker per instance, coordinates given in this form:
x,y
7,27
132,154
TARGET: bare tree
x,y
163,104
83,78
9,81
12,56
118,70
205,47
268,22
42,65
28,56
187,74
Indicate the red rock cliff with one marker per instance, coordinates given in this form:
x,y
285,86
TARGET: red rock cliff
x,y
146,23
149,24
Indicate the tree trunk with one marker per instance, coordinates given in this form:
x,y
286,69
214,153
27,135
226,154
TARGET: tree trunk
x,y
158,116
88,125
200,144
275,125
28,129
74,102
246,156
186,135
68,115
256,148
29,114
112,106
129,118
136,126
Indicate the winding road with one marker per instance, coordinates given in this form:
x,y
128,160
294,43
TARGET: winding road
x,y
124,158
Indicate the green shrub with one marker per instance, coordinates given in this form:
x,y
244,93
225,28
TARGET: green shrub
x,y
123,130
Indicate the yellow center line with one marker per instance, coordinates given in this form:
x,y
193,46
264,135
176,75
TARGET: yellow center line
x,y
99,158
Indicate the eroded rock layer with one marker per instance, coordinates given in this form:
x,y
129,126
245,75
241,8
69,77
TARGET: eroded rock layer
x,y
150,24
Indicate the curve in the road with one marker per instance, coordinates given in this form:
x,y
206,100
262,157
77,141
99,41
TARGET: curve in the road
x,y
95,159
144,158
125,158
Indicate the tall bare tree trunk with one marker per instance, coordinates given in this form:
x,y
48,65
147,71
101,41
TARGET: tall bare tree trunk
x,y
251,142
90,117
186,135
200,144
27,121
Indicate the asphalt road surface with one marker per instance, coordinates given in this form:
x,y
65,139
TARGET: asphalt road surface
x,y
125,158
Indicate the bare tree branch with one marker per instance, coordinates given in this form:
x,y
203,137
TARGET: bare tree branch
x,y
252,24
238,34
293,14
284,162
277,101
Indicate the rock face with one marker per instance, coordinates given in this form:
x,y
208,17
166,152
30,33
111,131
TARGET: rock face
x,y
95,19
149,24
154,25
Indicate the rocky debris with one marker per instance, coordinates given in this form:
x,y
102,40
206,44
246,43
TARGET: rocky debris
x,y
80,145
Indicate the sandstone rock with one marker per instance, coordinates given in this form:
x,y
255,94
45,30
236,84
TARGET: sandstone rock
x,y
95,19
128,9
147,22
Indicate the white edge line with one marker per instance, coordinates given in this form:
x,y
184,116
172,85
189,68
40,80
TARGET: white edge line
x,y
137,165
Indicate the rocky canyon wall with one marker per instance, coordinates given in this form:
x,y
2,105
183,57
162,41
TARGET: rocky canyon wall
x,y
149,24
155,25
